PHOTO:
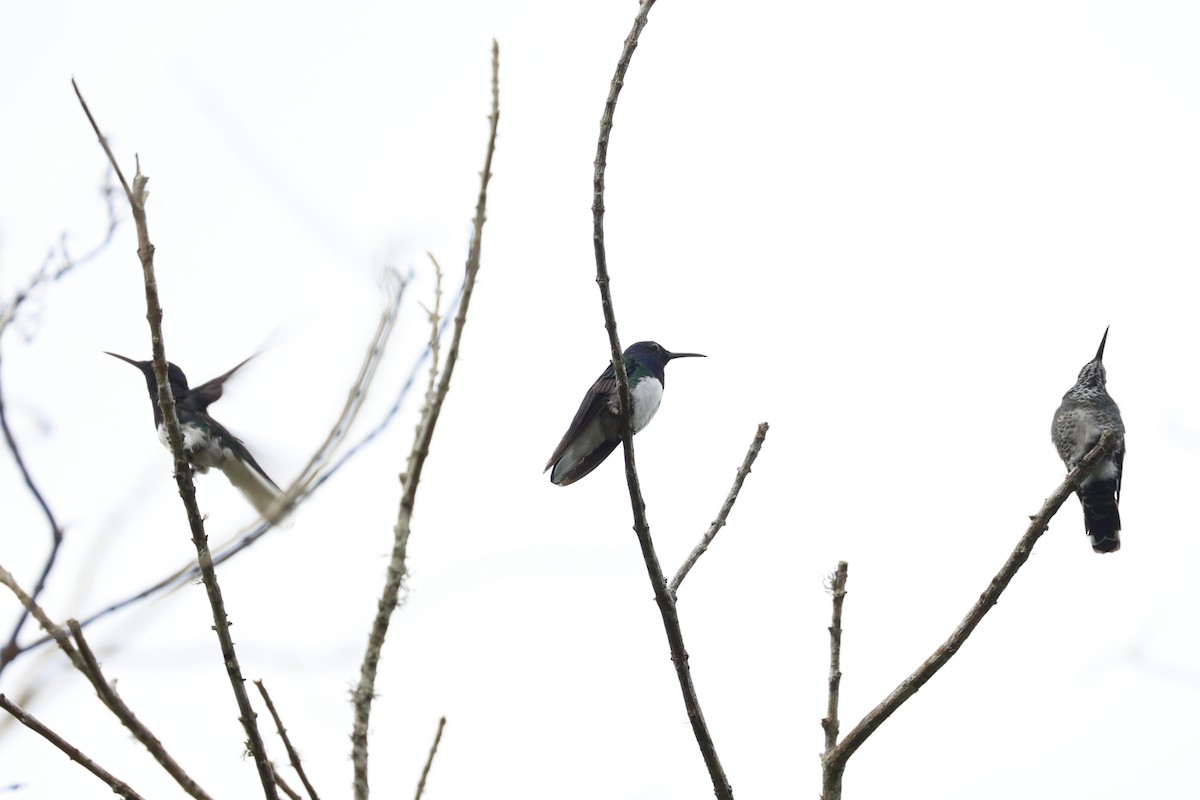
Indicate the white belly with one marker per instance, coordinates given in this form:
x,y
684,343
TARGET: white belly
x,y
647,396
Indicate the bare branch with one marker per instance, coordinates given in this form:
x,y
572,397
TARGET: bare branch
x,y
364,693
664,598
307,481
429,761
54,630
82,658
183,471
28,720
44,276
11,650
108,695
723,514
834,760
283,785
293,756
837,588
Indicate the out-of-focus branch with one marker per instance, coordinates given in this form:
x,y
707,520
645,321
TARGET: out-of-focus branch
x,y
723,514
137,196
664,598
11,649
364,693
28,720
53,269
303,486
52,629
293,756
45,275
833,763
429,761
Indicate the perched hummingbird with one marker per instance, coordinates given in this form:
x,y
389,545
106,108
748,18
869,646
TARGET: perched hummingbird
x,y
206,442
1086,413
596,430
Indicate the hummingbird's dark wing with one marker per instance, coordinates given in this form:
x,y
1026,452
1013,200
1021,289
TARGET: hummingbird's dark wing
x,y
594,402
204,395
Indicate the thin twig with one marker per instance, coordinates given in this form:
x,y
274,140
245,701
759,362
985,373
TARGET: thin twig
x,y
305,483
108,695
183,470
834,761
293,756
28,720
45,276
10,649
81,656
364,693
8,313
723,514
52,629
283,785
429,761
837,588
665,600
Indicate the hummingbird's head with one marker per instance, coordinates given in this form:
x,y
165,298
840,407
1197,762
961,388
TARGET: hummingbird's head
x,y
1093,375
650,358
175,376
653,351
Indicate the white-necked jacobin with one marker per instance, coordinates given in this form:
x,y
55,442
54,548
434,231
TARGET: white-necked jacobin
x,y
206,442
596,430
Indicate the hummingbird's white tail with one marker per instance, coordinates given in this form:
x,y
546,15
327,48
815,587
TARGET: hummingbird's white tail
x,y
257,487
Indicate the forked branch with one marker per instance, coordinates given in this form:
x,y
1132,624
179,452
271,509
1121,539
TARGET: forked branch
x,y
662,596
833,763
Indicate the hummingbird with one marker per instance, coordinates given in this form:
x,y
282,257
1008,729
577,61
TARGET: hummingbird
x,y
596,430
1086,413
206,442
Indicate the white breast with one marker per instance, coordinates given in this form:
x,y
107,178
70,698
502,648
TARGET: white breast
x,y
203,451
647,396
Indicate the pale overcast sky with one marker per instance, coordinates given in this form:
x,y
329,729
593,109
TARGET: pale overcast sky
x,y
896,230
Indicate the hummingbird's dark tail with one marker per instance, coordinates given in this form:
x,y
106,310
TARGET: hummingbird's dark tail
x,y
1100,515
570,467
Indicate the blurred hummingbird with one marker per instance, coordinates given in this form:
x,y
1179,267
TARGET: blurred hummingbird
x,y
596,430
206,442
1086,413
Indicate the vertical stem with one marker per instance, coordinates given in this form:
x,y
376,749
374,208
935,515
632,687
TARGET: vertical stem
x,y
831,770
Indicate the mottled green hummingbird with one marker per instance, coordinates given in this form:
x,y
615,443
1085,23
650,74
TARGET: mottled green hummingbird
x,y
1088,412
596,430
206,442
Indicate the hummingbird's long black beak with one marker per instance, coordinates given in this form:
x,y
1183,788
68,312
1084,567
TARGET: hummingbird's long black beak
x,y
137,364
685,355
1100,352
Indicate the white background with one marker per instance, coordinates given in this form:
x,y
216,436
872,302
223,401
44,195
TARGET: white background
x,y
896,230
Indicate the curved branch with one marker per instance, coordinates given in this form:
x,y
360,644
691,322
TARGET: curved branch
x,y
662,596
833,763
